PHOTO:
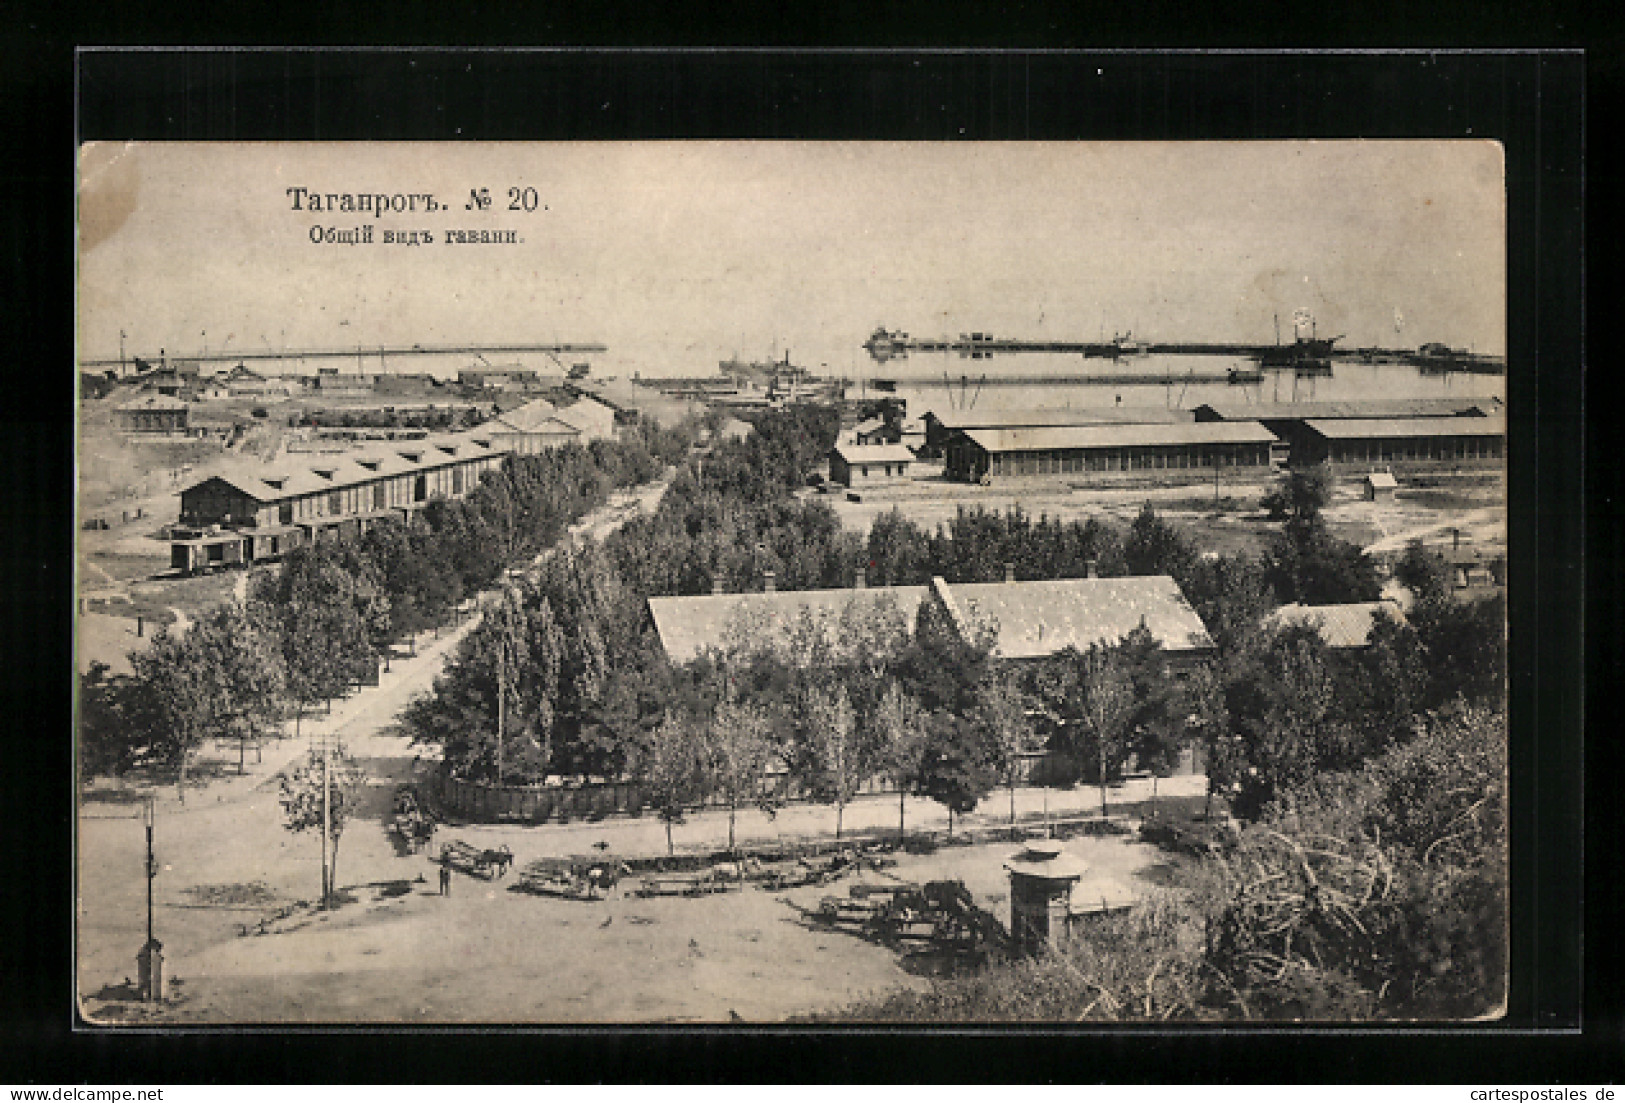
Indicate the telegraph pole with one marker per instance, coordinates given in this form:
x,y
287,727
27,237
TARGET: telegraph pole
x,y
502,698
327,817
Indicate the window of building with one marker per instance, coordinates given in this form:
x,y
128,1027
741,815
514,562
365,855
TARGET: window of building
x,y
335,503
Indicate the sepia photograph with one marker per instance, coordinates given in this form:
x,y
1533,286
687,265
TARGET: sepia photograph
x,y
791,582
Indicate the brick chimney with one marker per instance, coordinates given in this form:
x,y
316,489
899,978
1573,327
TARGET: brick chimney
x,y
768,582
860,581
1090,569
716,584
1009,571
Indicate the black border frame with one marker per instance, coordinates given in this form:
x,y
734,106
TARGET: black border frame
x,y
1533,102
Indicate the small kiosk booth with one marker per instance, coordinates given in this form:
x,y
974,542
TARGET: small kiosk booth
x,y
1041,881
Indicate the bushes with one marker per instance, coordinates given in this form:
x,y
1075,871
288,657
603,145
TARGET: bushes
x,y
1373,894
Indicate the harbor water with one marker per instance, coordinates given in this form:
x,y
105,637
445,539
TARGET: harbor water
x,y
947,381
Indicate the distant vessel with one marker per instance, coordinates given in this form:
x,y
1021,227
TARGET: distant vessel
x,y
762,371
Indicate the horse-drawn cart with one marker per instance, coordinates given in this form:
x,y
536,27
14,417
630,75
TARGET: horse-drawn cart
x,y
474,861
576,877
413,824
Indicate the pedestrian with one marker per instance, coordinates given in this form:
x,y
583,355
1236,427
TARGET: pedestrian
x,y
445,880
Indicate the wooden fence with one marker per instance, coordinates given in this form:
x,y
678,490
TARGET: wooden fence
x,y
481,802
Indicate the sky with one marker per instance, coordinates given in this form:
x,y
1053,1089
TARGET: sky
x,y
675,255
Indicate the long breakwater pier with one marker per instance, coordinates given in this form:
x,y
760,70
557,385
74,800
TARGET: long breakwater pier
x,y
885,345
352,352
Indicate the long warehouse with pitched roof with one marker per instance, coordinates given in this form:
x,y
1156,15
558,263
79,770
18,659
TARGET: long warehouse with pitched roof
x,y
977,454
242,515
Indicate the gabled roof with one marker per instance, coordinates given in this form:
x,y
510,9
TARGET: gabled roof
x,y
1042,416
1120,436
380,459
1034,619
1339,625
690,626
528,418
1492,425
873,453
588,414
1030,619
1372,408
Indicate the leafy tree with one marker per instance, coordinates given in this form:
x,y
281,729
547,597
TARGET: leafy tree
x,y
108,741
1304,562
1465,643
674,771
899,554
1157,730
222,679
902,742
1105,708
330,601
1231,595
1001,716
1300,495
830,734
956,772
1156,547
1207,721
1286,720
737,752
325,790
1424,573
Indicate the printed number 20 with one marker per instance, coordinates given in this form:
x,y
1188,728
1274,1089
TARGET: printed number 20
x,y
522,199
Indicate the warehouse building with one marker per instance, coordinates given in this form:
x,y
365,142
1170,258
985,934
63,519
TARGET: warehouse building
x,y
1287,420
1414,441
978,454
155,413
940,426
243,515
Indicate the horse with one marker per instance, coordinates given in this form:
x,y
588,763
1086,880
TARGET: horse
x,y
498,860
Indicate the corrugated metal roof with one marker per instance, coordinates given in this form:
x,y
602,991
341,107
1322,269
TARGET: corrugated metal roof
x,y
1041,416
1494,425
874,453
1339,625
689,626
1119,436
1374,408
1034,619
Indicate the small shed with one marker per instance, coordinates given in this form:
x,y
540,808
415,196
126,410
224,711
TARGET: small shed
x,y
1379,486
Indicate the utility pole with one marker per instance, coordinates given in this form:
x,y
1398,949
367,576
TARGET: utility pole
x,y
327,817
150,961
502,698
149,816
